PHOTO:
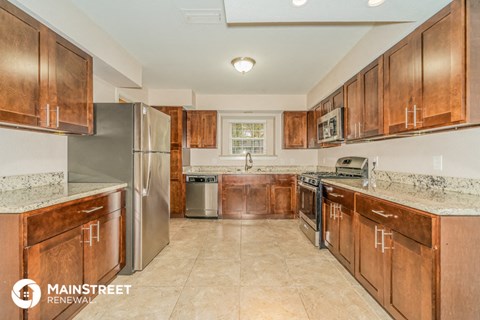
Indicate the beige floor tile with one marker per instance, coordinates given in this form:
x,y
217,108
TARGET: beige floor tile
x,y
224,232
275,303
265,271
214,273
163,273
180,250
314,272
155,303
215,303
220,250
252,249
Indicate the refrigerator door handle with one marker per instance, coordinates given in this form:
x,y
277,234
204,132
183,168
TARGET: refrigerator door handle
x,y
146,188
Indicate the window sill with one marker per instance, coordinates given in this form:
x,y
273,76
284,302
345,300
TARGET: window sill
x,y
254,157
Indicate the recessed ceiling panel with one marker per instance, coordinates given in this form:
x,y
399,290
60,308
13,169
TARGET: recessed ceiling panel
x,y
283,11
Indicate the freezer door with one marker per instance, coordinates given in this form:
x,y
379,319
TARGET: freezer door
x,y
152,129
152,206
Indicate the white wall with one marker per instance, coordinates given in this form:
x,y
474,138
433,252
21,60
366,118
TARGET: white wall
x,y
25,152
459,150
163,97
250,102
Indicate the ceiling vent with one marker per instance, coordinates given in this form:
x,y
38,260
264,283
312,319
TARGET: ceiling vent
x,y
210,16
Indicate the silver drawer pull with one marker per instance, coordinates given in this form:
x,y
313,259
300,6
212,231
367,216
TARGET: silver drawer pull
x,y
92,210
329,189
336,195
382,213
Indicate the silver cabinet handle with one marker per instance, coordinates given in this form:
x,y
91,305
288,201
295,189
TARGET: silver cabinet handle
x,y
98,231
48,115
336,195
329,189
58,116
355,135
383,240
376,237
406,117
359,130
331,215
90,238
92,210
383,214
303,200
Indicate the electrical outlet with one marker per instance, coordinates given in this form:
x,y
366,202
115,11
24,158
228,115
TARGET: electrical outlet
x,y
375,161
438,163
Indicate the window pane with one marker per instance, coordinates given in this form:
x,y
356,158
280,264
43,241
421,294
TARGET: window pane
x,y
247,137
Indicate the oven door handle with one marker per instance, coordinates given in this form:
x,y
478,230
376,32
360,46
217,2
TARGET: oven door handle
x,y
314,189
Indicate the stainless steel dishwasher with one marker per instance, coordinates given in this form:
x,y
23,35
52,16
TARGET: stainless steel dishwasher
x,y
202,196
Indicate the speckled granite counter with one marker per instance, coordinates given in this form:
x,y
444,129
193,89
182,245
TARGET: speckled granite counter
x,y
198,170
23,200
430,200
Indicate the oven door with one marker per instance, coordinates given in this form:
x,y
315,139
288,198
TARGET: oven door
x,y
307,204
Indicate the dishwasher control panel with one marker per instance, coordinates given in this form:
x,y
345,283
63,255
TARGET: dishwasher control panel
x,y
202,179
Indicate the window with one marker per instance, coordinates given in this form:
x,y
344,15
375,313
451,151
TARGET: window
x,y
247,137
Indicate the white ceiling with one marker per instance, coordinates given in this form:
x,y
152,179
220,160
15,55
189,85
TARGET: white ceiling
x,y
175,54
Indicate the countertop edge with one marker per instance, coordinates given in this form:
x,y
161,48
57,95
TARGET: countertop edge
x,y
457,212
48,203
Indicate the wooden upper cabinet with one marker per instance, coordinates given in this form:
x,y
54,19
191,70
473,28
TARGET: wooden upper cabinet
x,y
178,120
42,76
371,99
23,67
353,107
312,116
201,129
425,74
70,86
294,129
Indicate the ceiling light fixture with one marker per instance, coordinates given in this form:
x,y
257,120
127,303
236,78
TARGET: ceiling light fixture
x,y
375,3
299,3
243,64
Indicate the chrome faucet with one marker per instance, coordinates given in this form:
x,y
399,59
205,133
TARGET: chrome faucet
x,y
248,159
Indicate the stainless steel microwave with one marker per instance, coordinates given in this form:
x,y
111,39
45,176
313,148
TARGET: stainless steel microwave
x,y
330,126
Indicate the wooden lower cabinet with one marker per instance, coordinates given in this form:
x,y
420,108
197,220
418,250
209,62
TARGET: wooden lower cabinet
x,y
177,198
74,243
258,196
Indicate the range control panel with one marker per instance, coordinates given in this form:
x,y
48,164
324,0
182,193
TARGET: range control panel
x,y
202,179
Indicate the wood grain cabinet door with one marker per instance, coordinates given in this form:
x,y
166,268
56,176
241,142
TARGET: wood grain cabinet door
x,y
58,260
23,67
233,200
312,129
103,254
331,226
369,265
441,41
194,129
257,200
283,200
410,279
371,96
353,108
294,129
209,124
177,198
70,87
346,240
400,97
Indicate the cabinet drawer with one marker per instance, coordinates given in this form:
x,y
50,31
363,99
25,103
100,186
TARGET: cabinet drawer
x,y
48,222
339,195
409,222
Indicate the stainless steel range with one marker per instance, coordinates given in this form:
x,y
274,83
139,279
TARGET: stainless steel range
x,y
310,196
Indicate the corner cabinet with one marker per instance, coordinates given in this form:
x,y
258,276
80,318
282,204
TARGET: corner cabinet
x,y
75,243
201,129
294,130
51,86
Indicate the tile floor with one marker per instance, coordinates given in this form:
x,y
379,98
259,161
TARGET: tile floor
x,y
225,269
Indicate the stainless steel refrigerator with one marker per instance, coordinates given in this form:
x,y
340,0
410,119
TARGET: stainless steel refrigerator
x,y
131,144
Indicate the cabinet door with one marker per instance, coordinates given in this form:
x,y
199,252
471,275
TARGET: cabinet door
x,y
58,260
371,93
337,99
103,247
257,200
312,129
176,132
209,124
326,106
283,198
294,130
177,198
369,266
331,226
399,77
353,108
23,67
410,279
194,129
346,249
233,200
176,168
441,41
70,86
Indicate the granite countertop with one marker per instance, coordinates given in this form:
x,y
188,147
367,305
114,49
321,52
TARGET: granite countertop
x,y
444,203
23,200
240,172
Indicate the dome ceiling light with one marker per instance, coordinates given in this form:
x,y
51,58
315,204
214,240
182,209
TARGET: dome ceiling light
x,y
243,64
375,3
299,3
